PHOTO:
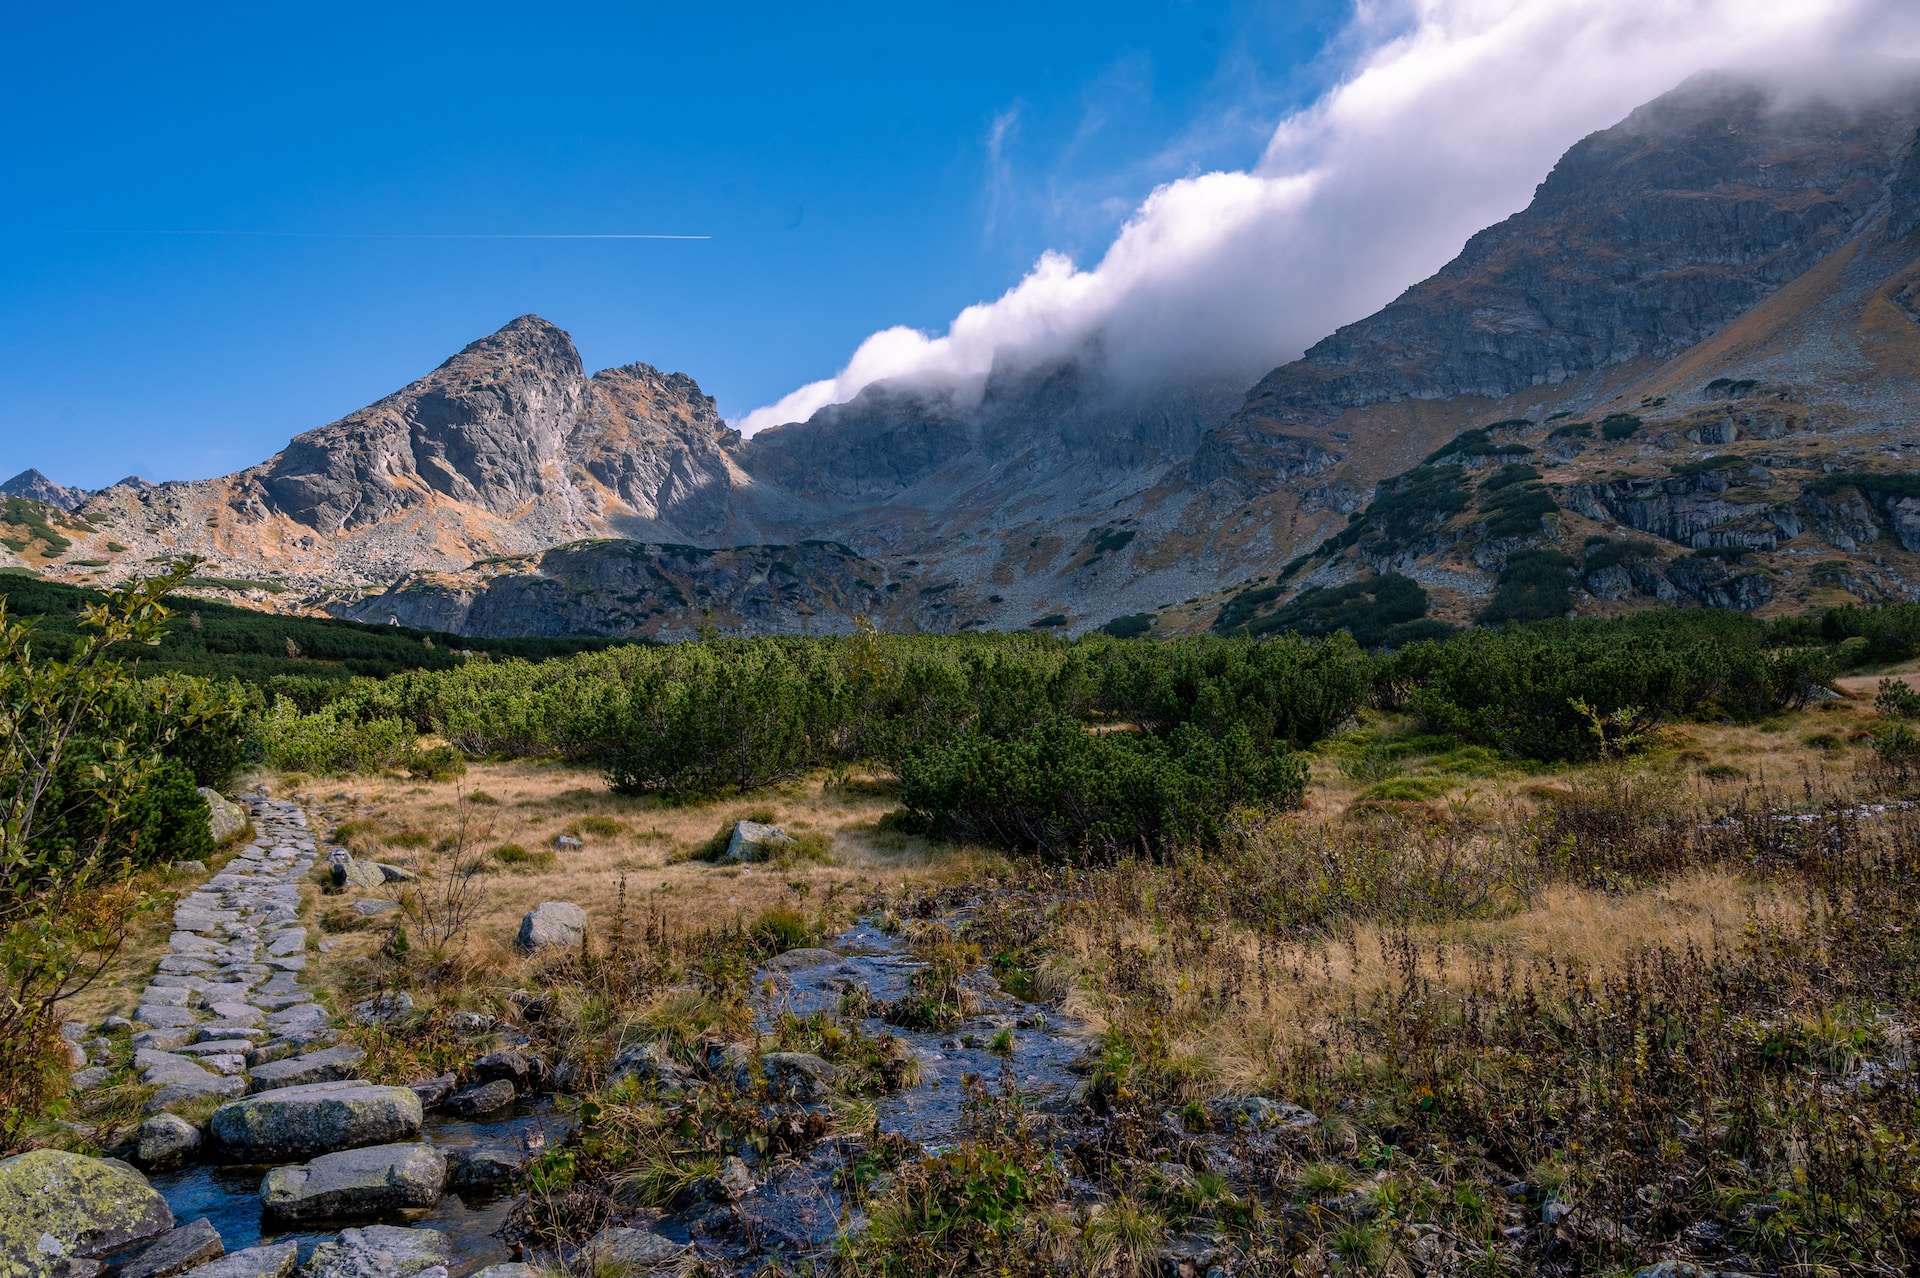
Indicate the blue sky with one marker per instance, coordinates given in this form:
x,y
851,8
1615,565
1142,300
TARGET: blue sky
x,y
841,159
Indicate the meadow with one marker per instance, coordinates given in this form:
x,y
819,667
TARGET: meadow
x,y
1564,947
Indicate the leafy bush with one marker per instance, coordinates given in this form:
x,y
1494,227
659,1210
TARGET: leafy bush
x,y
1066,792
1535,585
1130,626
1518,689
329,742
1618,426
87,797
1284,691
1371,610
1897,699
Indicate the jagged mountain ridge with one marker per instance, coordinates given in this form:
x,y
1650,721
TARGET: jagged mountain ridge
x,y
1644,255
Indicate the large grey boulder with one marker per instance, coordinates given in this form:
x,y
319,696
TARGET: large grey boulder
x,y
56,1206
378,1251
317,1118
356,1182
350,872
276,1261
553,925
174,1253
512,1269
225,818
754,841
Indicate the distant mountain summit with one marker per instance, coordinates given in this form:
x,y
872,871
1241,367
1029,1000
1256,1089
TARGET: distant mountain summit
x,y
35,486
1706,320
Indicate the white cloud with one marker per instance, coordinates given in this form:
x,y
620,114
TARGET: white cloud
x,y
1447,115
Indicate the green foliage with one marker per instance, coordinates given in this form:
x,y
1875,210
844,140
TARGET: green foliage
x,y
259,646
36,519
1897,699
1602,553
330,741
1619,426
1535,585
1375,611
88,795
1407,508
1514,502
1890,486
1063,791
1518,688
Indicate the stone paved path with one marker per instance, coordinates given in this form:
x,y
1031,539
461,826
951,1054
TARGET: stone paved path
x,y
226,1012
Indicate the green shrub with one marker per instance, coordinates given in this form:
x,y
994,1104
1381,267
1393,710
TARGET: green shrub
x,y
1897,699
1618,426
1535,585
514,856
329,743
1065,792
1370,610
1518,689
1131,626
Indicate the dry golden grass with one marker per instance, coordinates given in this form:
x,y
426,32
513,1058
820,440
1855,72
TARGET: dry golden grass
x,y
641,843
1283,996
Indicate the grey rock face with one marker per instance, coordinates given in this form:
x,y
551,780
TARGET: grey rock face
x,y
486,1098
300,1122
378,1251
224,816
553,925
329,1065
175,1252
754,841
351,872
166,1140
35,486
642,1249
55,1205
798,1076
484,1168
274,1261
356,1182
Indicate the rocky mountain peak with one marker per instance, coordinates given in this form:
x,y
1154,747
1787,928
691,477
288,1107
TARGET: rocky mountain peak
x,y
34,486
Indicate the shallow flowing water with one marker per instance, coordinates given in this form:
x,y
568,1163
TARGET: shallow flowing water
x,y
797,1206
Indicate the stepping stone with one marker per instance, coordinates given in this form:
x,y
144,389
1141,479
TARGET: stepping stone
x,y
291,941
298,1018
174,1253
640,1250
54,1204
168,995
480,1168
356,1183
181,1093
276,1261
164,1017
236,1013
317,1118
487,1098
329,1065
163,1040
379,1251
166,1140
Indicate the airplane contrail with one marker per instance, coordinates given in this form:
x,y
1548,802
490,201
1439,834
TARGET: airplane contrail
x,y
416,235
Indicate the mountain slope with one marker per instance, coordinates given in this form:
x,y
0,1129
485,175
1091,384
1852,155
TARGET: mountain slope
x,y
1733,274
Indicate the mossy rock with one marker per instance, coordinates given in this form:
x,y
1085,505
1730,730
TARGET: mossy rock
x,y
54,1204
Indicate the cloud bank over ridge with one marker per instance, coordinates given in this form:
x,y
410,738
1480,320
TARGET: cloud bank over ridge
x,y
1443,116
